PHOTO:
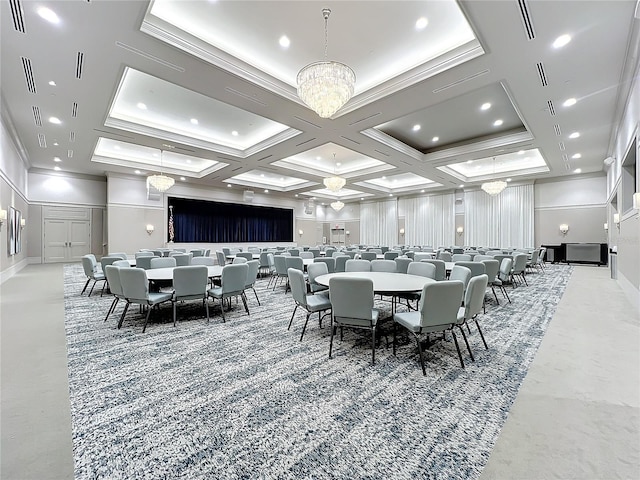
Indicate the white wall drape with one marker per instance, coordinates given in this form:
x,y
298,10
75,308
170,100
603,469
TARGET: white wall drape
x,y
505,220
379,223
430,220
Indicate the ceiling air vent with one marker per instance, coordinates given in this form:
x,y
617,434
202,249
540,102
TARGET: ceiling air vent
x,y
36,116
556,129
382,153
79,65
526,20
17,15
306,141
70,153
561,146
542,74
42,141
28,74
74,110
72,136
565,157
552,109
365,118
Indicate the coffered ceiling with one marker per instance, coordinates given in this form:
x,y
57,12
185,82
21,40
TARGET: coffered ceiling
x,y
448,94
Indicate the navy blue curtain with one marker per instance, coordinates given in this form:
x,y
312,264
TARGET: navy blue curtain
x,y
217,222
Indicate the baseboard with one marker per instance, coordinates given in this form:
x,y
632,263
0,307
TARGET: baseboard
x,y
632,293
34,260
12,270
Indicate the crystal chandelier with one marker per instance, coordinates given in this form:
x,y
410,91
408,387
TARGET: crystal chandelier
x,y
325,86
160,182
335,182
494,187
337,205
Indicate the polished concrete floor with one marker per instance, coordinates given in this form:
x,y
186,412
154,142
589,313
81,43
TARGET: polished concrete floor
x,y
577,414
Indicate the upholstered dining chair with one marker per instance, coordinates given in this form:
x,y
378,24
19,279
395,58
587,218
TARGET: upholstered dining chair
x,y
135,289
437,312
330,262
190,282
357,266
473,305
441,271
113,277
120,263
341,261
311,303
221,258
388,266
234,278
352,306
402,264
122,255
315,251
252,277
90,268
369,255
492,267
461,273
519,268
163,262
280,262
477,268
183,259
208,261
460,257
421,269
444,256
314,270
239,260
143,253
144,262
504,276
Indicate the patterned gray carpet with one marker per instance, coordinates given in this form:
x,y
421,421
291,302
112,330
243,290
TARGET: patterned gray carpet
x,y
246,399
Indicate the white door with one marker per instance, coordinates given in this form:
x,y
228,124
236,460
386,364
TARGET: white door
x,y
66,240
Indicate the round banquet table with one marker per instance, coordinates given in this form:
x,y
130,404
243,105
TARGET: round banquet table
x,y
166,273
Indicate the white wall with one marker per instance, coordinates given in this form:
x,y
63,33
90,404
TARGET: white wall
x,y
60,188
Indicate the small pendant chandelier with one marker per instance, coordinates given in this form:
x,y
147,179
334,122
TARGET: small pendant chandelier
x,y
160,182
334,183
495,187
337,205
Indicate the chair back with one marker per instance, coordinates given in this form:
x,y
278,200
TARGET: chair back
x,y
474,296
246,255
122,255
315,270
306,254
402,264
350,253
351,298
158,253
280,264
422,269
113,277
357,266
183,259
135,286
541,256
226,251
315,251
108,260
341,261
222,259
234,278
369,256
264,259
519,263
239,260
88,266
208,261
388,266
440,302
377,251
144,262
143,254
477,268
294,252
254,249
298,286
337,253
190,281
121,263
482,258
410,254
460,257
391,254
505,268
294,262
419,256
197,252
163,262
444,256
534,256
331,263
441,271
461,273
252,273
491,269
328,252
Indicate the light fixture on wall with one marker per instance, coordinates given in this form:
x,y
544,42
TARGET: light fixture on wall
x,y
300,232
335,182
347,233
160,182
23,222
325,86
459,230
616,219
636,201
337,205
606,226
564,228
3,216
495,187
150,228
402,231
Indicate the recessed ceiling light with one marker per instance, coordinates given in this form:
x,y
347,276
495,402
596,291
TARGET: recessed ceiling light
x,y
282,179
156,155
485,106
576,155
318,158
462,185
194,121
338,164
52,83
296,195
498,122
520,152
469,161
421,23
56,144
561,41
55,120
569,101
391,194
361,198
422,191
577,170
574,135
188,160
284,41
262,175
137,172
266,191
234,133
117,147
49,15
384,178
508,179
228,185
435,139
182,179
141,106
57,168
416,127
56,159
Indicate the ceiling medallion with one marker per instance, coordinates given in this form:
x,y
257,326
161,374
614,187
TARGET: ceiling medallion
x,y
325,86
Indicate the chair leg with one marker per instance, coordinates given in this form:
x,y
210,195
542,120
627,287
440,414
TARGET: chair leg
x,y
111,308
504,291
85,286
256,294
244,300
333,331
206,307
466,341
495,294
373,346
124,312
292,315
304,328
91,291
174,312
455,339
146,318
394,337
481,335
424,370
224,320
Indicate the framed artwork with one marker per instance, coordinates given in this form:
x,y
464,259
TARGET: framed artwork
x,y
15,234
